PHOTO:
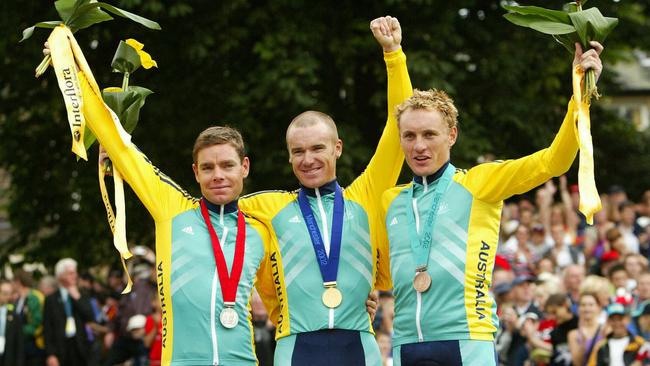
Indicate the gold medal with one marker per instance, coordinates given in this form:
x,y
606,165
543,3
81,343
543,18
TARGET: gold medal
x,y
332,297
422,282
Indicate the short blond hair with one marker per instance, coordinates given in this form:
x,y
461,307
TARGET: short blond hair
x,y
432,99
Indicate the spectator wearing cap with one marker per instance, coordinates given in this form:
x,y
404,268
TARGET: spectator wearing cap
x,y
523,292
502,295
620,347
558,307
607,261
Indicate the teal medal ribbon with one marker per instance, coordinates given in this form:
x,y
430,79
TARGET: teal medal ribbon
x,y
420,246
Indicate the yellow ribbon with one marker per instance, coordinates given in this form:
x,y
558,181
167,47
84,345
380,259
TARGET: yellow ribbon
x,y
589,198
66,75
117,222
67,58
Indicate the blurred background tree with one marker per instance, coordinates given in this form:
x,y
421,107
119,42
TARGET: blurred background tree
x,y
254,65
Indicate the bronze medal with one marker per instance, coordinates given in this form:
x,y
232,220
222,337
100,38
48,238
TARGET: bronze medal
x,y
422,282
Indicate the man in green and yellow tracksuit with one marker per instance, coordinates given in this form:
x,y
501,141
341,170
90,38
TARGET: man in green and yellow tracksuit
x,y
324,255
443,230
208,254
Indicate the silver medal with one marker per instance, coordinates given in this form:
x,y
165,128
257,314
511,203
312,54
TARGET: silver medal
x,y
228,317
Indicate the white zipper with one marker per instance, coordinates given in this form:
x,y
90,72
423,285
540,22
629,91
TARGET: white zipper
x,y
326,241
323,220
418,306
213,299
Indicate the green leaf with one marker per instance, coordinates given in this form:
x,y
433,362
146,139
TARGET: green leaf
x,y
523,20
126,59
27,32
88,17
553,15
125,14
568,41
67,8
126,105
591,25
552,28
132,113
539,24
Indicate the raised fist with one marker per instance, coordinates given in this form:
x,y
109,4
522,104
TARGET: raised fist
x,y
387,32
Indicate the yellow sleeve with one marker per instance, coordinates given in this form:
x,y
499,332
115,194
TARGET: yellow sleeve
x,y
264,280
383,279
162,196
496,181
386,164
264,205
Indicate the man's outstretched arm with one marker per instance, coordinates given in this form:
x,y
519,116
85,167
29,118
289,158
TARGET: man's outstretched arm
x,y
493,182
385,166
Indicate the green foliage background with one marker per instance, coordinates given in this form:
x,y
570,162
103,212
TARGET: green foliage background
x,y
255,65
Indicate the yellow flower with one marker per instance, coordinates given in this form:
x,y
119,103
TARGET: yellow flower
x,y
145,59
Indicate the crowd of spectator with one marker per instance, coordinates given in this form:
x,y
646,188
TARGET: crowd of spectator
x,y
73,319
566,294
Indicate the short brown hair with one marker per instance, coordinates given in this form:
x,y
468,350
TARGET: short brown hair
x,y
613,234
432,99
559,299
218,135
24,278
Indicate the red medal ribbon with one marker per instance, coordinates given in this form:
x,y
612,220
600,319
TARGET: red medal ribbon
x,y
228,282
